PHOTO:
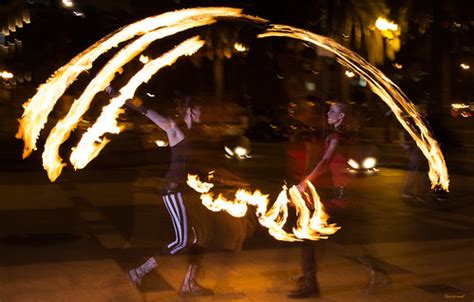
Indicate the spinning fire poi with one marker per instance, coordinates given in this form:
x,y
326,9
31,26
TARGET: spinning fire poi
x,y
154,28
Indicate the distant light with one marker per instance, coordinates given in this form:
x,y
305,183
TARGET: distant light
x,y
457,106
369,163
6,75
240,47
353,164
150,95
397,66
144,59
161,143
349,74
280,77
465,66
240,151
310,86
78,13
228,151
68,3
384,24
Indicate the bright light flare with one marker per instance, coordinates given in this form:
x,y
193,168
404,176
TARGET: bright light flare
x,y
465,66
369,163
238,152
67,3
6,75
161,143
349,74
312,226
353,164
384,24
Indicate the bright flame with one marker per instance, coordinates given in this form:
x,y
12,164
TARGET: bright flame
x,y
198,185
240,47
401,106
41,104
6,75
349,74
91,144
465,66
384,24
308,226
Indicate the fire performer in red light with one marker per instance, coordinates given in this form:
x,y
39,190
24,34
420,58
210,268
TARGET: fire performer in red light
x,y
335,160
178,133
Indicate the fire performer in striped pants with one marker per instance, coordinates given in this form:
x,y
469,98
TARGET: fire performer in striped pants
x,y
178,133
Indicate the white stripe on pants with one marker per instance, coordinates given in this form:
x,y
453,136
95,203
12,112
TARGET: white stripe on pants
x,y
175,206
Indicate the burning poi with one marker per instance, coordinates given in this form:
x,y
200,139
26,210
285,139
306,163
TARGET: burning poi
x,y
154,28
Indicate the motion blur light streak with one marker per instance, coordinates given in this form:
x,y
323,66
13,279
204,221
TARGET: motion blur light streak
x,y
41,104
308,226
90,145
403,109
51,160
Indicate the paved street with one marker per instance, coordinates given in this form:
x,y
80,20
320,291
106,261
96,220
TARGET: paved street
x,y
73,240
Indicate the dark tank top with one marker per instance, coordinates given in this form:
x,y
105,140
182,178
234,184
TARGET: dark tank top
x,y
178,170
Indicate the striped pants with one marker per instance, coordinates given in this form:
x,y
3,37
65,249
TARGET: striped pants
x,y
177,210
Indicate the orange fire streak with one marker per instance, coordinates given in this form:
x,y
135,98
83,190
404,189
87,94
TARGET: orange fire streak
x,y
308,226
51,160
90,145
41,104
390,93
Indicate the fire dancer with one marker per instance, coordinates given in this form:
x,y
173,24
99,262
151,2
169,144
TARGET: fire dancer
x,y
178,133
334,160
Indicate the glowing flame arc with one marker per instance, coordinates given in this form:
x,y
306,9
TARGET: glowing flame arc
x,y
308,226
90,145
41,104
150,29
404,110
